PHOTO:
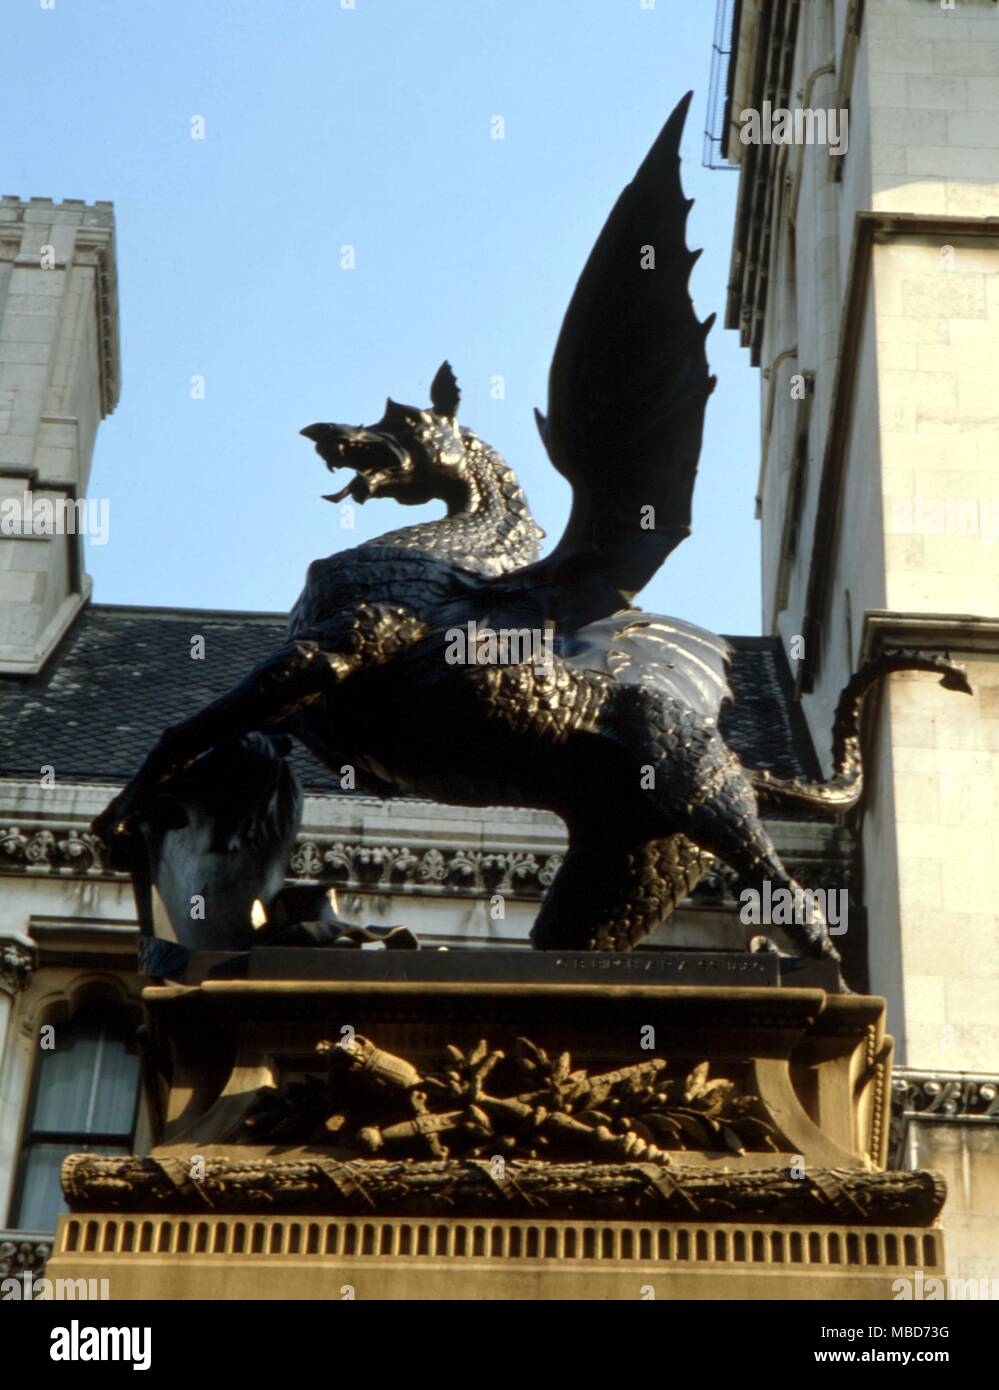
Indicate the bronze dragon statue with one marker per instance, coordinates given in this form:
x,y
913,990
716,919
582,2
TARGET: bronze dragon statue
x,y
617,732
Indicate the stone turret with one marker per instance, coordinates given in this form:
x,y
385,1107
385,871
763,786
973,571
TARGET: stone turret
x,y
59,377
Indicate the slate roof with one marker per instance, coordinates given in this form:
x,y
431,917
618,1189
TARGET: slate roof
x,y
123,673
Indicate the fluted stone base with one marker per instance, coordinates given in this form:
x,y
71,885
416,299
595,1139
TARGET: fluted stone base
x,y
233,1257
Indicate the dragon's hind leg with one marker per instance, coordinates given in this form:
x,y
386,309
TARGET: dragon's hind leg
x,y
608,896
727,824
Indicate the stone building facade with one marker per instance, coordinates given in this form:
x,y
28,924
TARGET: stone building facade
x,y
72,730
865,285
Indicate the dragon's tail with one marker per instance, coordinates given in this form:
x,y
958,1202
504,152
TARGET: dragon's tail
x,y
843,789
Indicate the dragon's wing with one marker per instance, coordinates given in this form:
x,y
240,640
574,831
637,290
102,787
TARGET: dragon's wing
x,y
683,662
626,395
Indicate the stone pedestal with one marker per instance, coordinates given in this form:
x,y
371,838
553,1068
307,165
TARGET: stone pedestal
x,y
334,1124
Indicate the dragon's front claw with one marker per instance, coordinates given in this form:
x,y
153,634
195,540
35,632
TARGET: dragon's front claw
x,y
119,819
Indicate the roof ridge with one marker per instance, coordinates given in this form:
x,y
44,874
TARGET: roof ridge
x,y
174,611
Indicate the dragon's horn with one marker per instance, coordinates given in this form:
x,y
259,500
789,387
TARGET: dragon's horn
x,y
444,393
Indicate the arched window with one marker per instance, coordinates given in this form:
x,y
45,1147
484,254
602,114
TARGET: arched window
x,y
84,1097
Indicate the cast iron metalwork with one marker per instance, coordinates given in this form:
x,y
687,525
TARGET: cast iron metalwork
x,y
447,660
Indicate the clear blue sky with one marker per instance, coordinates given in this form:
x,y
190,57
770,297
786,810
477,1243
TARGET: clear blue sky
x,y
370,126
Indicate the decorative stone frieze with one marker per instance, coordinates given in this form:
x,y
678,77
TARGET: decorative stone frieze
x,y
946,1095
390,867
71,850
60,848
23,1252
940,1097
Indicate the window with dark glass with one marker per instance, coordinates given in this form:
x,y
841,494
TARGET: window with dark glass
x,y
84,1097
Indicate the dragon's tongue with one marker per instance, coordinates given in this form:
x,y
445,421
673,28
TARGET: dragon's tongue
x,y
338,496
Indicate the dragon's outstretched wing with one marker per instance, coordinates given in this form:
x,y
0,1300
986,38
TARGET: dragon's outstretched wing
x,y
683,662
626,397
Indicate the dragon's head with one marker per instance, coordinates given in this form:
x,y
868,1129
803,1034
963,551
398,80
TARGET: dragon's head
x,y
411,455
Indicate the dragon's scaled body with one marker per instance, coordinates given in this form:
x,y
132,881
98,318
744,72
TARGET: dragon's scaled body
x,y
618,734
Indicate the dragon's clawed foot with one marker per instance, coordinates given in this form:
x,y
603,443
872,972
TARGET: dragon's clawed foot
x,y
118,820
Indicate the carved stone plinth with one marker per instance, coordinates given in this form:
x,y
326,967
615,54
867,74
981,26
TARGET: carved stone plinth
x,y
461,1257
406,1132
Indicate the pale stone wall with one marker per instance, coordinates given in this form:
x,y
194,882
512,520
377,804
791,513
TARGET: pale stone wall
x,y
934,103
935,149
861,584
805,319
940,435
938,325
945,793
58,377
919,497
968,1157
879,851
920,488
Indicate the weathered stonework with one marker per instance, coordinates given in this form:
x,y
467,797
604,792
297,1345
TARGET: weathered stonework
x,y
866,287
432,1165
59,377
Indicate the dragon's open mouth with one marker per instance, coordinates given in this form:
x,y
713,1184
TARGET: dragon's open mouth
x,y
357,489
378,460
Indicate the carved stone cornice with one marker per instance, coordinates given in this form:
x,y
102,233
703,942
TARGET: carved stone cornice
x,y
56,847
833,1197
950,632
941,1097
946,1095
95,244
390,867
71,850
16,968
